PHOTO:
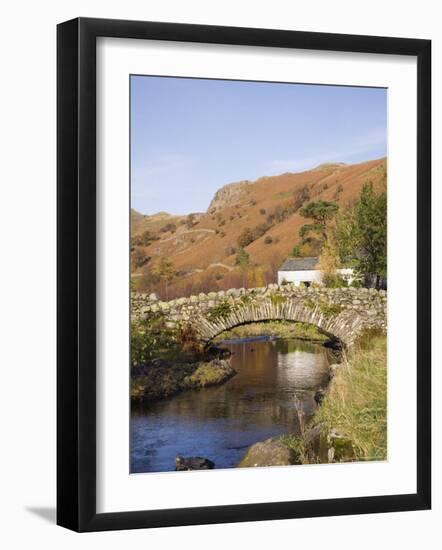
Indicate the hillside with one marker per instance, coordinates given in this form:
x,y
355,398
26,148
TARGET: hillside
x,y
202,247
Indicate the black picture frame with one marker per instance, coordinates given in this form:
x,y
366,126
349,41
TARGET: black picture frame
x,y
76,273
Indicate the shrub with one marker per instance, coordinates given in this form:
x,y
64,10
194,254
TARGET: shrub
x,y
260,230
169,227
188,340
331,280
329,309
300,197
277,298
190,221
144,239
151,338
262,211
139,258
309,303
229,250
268,240
246,237
219,311
339,190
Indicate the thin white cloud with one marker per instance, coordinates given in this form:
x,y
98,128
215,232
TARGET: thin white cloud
x,y
370,141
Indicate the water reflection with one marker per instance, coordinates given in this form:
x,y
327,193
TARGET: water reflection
x,y
220,423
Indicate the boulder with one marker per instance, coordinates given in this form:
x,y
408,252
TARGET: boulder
x,y
266,453
193,463
319,395
341,448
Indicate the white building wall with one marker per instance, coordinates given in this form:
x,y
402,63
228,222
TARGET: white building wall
x,y
310,276
347,273
298,277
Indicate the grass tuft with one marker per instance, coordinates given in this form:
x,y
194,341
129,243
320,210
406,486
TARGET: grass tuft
x,y
356,405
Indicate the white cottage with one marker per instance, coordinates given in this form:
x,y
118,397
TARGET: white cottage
x,y
304,270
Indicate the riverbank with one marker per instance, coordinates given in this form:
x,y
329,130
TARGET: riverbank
x,y
350,423
352,418
168,361
278,329
162,379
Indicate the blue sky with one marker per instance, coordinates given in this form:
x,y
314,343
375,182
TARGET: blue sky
x,y
189,136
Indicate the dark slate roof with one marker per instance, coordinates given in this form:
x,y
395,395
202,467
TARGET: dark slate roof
x,y
299,264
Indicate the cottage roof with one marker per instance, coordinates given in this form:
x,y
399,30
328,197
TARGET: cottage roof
x,y
299,264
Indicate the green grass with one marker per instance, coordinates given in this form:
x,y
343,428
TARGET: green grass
x,y
297,448
325,308
280,329
356,405
329,310
276,298
219,311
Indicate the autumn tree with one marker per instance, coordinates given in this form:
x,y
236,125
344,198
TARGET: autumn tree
x,y
347,234
256,277
242,260
166,273
329,263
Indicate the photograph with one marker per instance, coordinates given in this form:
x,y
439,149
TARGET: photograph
x,y
258,274
231,313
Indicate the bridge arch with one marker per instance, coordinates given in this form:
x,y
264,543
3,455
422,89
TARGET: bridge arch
x,y
344,326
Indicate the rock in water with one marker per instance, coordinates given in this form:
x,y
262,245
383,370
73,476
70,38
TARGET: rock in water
x,y
319,396
266,453
193,463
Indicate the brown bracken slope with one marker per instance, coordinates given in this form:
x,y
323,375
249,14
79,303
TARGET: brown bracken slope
x,y
202,247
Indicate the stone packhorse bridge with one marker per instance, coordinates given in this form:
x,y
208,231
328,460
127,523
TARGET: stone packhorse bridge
x,y
342,313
